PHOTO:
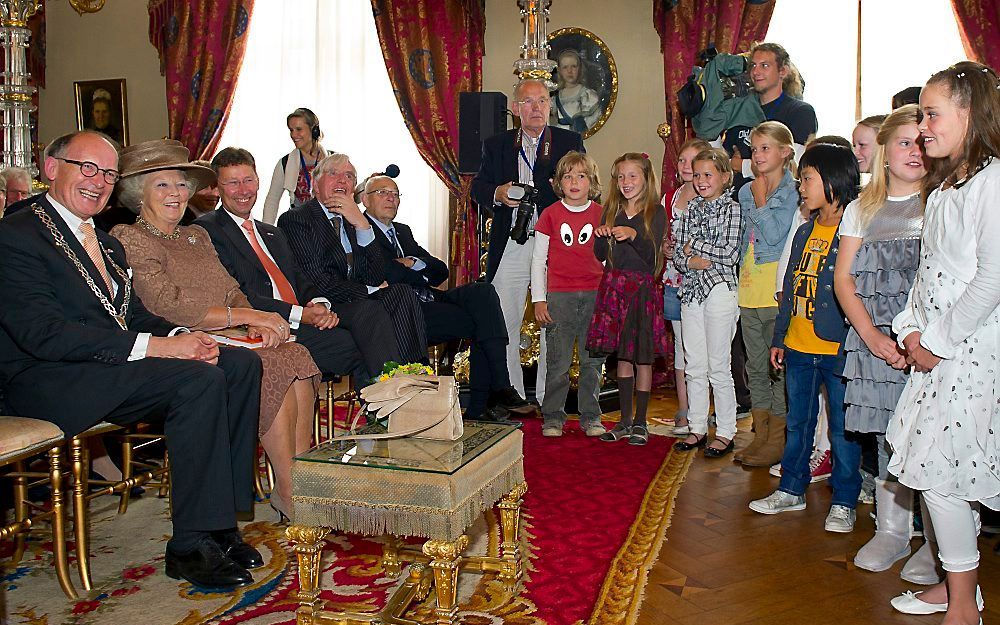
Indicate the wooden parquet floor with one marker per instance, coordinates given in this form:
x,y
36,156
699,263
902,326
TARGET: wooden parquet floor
x,y
722,564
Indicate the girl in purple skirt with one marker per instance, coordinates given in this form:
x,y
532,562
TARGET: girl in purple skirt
x,y
628,316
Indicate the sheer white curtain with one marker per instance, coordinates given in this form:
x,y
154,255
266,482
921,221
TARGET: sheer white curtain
x,y
326,56
903,42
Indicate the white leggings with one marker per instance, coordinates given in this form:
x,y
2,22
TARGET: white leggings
x,y
956,528
678,345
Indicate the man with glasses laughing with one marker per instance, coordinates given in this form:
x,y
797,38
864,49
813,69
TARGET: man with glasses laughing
x,y
78,347
525,155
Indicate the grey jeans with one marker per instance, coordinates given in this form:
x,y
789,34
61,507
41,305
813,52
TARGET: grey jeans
x,y
767,386
571,313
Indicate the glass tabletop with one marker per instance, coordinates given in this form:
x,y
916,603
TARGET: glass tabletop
x,y
411,454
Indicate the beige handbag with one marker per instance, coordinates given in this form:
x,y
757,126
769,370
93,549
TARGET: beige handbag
x,y
422,406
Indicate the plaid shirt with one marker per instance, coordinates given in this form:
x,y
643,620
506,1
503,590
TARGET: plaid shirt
x,y
713,227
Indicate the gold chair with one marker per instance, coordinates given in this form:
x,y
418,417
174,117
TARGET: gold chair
x,y
83,493
20,439
325,429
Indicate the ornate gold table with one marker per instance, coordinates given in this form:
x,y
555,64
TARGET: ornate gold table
x,y
408,487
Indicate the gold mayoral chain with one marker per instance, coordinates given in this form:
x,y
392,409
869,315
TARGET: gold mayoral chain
x,y
118,315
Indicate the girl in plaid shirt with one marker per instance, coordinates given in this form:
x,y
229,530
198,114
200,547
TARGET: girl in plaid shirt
x,y
706,251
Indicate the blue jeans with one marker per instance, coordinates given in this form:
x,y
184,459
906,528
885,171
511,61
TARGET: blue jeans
x,y
804,373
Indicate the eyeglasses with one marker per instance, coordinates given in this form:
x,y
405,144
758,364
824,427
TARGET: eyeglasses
x,y
232,184
530,102
386,193
90,170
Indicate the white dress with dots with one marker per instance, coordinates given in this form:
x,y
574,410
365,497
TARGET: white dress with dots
x,y
944,432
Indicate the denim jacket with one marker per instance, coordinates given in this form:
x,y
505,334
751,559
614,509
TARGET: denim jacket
x,y
829,321
770,222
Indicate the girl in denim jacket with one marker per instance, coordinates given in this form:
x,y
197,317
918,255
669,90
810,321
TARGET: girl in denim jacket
x,y
768,205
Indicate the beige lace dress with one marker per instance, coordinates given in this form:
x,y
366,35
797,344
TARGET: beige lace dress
x,y
180,279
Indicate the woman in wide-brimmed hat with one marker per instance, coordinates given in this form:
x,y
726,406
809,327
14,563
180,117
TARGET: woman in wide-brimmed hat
x,y
178,276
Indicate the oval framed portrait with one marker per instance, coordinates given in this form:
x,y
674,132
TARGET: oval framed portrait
x,y
586,80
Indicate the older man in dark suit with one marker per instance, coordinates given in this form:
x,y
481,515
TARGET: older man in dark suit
x,y
332,242
258,256
71,326
527,155
471,311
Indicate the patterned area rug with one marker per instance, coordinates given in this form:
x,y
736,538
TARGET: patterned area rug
x,y
594,519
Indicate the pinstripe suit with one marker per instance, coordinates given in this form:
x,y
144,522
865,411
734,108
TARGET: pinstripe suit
x,y
323,260
471,311
335,350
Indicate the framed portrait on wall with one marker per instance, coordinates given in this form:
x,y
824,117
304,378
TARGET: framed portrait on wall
x,y
586,79
101,105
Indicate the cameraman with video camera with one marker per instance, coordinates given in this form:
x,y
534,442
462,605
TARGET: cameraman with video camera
x,y
514,181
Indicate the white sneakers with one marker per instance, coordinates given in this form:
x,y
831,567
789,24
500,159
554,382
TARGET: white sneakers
x,y
909,603
841,519
778,501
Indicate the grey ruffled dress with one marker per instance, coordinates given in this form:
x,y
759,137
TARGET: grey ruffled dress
x,y
884,271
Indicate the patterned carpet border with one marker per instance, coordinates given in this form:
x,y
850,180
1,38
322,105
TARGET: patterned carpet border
x,y
624,587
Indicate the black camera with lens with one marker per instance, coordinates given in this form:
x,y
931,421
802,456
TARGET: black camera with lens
x,y
527,197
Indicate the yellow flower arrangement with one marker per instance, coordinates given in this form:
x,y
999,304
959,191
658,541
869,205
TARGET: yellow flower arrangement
x,y
392,369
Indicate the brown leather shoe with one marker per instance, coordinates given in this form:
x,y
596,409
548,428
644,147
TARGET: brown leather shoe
x,y
760,422
770,452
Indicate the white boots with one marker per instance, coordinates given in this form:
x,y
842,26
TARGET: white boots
x,y
894,507
922,567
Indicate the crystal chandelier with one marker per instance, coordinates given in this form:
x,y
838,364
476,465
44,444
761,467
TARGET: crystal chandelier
x,y
535,63
15,90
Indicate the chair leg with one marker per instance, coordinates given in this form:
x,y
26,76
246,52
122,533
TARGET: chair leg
x,y
20,510
258,484
59,554
165,480
330,422
81,505
123,498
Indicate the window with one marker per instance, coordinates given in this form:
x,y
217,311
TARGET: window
x,y
903,42
326,56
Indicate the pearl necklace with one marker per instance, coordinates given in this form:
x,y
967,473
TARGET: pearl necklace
x,y
173,236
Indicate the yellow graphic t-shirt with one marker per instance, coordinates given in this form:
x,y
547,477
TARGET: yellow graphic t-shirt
x,y
801,335
756,281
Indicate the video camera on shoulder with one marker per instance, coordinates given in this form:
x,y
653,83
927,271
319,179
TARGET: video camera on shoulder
x,y
527,196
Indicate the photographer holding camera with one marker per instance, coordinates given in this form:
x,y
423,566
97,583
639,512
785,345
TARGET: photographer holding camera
x,y
514,181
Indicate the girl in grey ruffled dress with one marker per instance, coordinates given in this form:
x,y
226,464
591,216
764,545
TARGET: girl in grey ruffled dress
x,y
876,266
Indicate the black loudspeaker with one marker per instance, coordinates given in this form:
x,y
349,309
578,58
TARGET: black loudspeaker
x,y
480,116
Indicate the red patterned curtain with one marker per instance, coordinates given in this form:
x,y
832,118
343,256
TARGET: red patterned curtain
x,y
685,29
433,50
979,25
201,45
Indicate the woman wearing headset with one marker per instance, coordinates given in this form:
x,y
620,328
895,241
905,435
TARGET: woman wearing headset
x,y
293,172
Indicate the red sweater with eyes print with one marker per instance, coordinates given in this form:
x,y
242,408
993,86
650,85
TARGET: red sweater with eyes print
x,y
572,265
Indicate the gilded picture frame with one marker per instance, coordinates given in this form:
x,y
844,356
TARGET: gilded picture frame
x,y
585,95
102,105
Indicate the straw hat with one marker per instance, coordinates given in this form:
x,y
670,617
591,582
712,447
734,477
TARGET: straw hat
x,y
162,154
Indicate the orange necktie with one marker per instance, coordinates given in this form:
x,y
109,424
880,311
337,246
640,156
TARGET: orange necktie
x,y
279,280
93,249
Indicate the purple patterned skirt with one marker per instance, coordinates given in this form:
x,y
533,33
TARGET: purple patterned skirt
x,y
628,318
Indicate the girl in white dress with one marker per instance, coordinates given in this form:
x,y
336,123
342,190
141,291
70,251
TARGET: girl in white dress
x,y
944,433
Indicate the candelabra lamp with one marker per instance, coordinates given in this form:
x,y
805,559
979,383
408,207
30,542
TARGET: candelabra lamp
x,y
15,90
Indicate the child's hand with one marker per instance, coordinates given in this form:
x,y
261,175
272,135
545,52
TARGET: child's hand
x,y
621,233
668,249
777,358
602,231
697,262
542,315
917,356
884,347
687,248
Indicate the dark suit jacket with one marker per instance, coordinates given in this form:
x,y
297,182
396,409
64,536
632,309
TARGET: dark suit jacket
x,y
322,258
57,341
241,261
436,271
499,166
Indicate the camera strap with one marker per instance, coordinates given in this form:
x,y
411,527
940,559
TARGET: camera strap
x,y
544,153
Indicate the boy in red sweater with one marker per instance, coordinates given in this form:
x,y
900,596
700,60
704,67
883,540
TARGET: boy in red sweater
x,y
565,275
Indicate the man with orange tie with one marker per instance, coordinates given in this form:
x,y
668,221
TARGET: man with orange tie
x,y
258,256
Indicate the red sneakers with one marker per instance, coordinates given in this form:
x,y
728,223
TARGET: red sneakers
x,y
820,466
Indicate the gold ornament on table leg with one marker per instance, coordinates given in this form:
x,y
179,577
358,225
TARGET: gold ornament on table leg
x,y
309,548
446,557
510,520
